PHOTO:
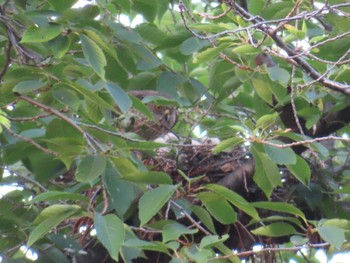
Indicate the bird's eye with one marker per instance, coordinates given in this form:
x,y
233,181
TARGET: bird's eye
x,y
158,107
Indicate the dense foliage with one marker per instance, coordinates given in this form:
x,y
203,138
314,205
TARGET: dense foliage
x,y
258,156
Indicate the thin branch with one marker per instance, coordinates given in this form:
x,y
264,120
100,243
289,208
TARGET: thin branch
x,y
189,217
321,139
271,249
25,178
89,139
308,69
7,61
32,142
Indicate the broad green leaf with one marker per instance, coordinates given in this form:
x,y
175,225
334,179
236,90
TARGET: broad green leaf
x,y
147,60
141,107
152,201
245,49
227,144
168,82
280,207
141,244
218,207
94,55
124,33
59,46
208,27
210,241
332,234
124,166
204,217
192,45
263,89
235,199
148,177
120,97
260,177
209,53
121,193
54,210
266,121
173,231
90,167
64,94
271,170
91,96
124,4
110,231
275,230
280,155
300,170
36,34
148,8
279,74
4,122
28,86
55,217
62,5
57,195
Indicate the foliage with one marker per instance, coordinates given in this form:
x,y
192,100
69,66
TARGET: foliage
x,y
267,82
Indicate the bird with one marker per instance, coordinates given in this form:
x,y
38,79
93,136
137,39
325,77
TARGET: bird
x,y
165,117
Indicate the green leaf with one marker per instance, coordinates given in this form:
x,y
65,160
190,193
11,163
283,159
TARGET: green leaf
x,y
140,244
36,34
147,60
332,234
280,155
209,53
227,144
192,45
210,241
168,82
245,49
300,170
275,230
90,167
266,121
263,89
279,74
57,195
141,107
173,231
110,231
28,86
120,97
51,217
62,5
124,166
94,55
91,96
204,217
152,201
64,94
54,210
124,33
148,177
121,193
148,8
280,207
59,46
218,207
4,122
235,199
